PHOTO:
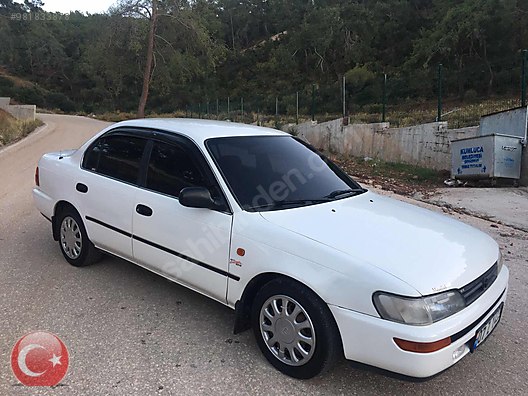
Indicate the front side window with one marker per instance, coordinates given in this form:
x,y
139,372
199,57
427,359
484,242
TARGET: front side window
x,y
116,156
171,169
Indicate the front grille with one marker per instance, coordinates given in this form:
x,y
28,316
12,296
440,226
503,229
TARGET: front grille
x,y
475,289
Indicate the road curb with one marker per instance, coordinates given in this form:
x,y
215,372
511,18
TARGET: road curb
x,y
36,132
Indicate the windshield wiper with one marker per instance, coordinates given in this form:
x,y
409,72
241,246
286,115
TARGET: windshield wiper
x,y
280,204
328,198
349,191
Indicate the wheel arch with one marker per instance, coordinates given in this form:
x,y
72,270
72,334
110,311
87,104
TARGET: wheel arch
x,y
59,207
244,304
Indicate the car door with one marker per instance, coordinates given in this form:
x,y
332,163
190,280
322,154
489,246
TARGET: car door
x,y
107,186
188,245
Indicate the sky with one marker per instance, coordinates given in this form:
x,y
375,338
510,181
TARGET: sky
x,y
65,6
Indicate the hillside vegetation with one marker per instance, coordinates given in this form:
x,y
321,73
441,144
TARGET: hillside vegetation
x,y
261,53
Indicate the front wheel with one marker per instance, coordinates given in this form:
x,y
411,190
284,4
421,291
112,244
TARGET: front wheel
x,y
75,246
294,329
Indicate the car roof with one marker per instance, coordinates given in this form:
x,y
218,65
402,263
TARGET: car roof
x,y
201,130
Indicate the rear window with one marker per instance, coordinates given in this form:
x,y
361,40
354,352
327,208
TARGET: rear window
x,y
118,157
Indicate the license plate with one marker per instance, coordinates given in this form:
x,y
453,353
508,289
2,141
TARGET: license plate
x,y
487,328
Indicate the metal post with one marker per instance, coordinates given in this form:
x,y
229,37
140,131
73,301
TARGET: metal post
x,y
207,108
523,78
276,106
313,102
440,78
384,97
297,106
228,107
344,96
242,108
217,108
199,110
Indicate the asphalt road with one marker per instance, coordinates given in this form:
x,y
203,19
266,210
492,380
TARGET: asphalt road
x,y
131,332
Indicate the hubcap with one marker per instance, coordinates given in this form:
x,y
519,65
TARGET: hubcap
x,y
70,237
287,330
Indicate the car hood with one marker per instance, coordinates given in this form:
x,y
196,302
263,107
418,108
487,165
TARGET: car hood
x,y
428,251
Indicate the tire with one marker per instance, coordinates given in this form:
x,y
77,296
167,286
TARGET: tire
x,y
307,340
74,244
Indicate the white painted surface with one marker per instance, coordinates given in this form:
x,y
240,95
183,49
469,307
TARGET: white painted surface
x,y
369,243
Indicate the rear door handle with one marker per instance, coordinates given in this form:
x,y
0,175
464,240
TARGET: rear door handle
x,y
82,188
143,210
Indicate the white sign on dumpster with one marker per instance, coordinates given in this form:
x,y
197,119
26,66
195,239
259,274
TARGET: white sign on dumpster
x,y
471,158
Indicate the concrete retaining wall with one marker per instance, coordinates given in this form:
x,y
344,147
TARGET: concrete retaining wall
x,y
509,122
21,112
4,103
426,145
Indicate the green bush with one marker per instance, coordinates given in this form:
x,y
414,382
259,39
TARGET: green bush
x,y
372,108
30,95
60,101
470,96
5,84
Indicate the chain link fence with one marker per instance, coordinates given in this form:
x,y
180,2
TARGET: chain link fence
x,y
459,96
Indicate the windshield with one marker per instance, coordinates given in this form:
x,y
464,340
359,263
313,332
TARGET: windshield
x,y
278,172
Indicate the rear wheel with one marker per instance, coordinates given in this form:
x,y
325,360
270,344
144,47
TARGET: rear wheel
x,y
294,329
75,246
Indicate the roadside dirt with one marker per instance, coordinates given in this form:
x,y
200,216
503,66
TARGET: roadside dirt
x,y
397,178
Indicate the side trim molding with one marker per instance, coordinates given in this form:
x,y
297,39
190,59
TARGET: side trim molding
x,y
165,249
127,234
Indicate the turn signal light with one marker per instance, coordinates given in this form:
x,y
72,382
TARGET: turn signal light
x,y
37,179
422,347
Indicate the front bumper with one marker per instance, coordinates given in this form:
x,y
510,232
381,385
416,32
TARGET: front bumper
x,y
370,340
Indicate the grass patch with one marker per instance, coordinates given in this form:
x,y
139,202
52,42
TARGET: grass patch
x,y
457,113
12,129
111,116
116,116
401,178
406,172
269,121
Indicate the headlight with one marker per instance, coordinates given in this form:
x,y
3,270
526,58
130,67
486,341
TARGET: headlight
x,y
418,311
500,263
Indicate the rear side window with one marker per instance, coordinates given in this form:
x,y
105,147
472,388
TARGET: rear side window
x,y
116,156
171,169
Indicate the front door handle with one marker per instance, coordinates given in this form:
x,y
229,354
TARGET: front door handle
x,y
143,210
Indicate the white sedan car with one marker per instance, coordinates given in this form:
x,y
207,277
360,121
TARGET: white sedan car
x,y
258,220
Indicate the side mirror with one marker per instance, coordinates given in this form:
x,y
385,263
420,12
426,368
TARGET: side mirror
x,y
197,197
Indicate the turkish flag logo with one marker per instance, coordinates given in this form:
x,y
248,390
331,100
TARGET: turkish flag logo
x,y
40,359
